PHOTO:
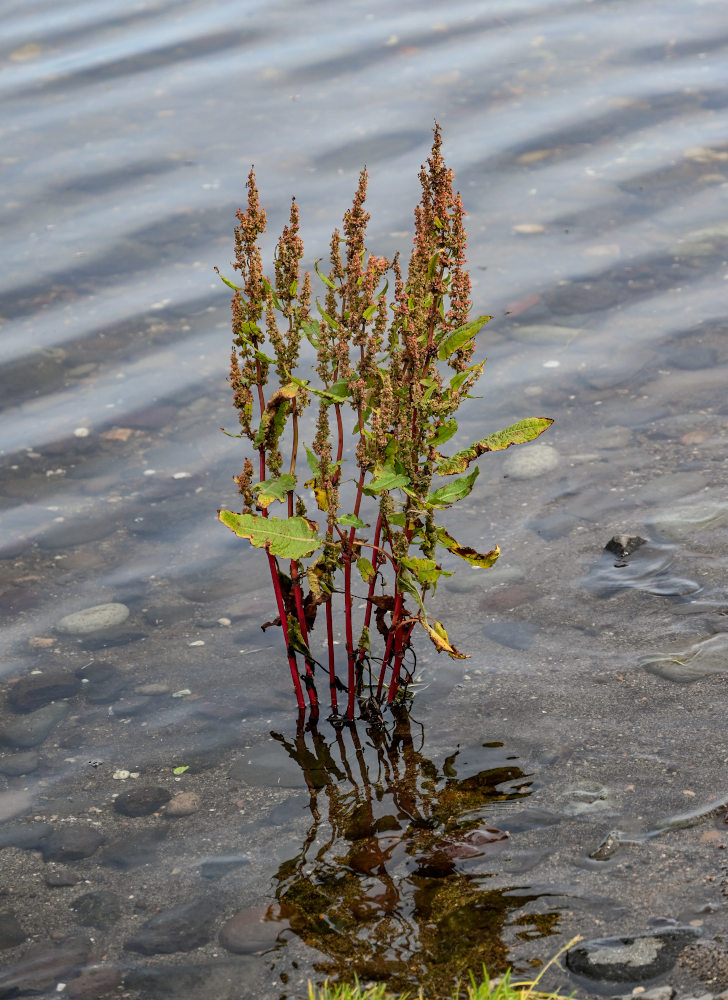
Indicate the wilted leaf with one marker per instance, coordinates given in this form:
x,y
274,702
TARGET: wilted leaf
x,y
520,433
274,489
440,640
274,416
483,560
295,639
425,571
290,537
235,288
457,338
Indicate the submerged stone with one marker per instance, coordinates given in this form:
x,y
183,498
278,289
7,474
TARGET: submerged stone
x,y
633,959
709,656
31,730
530,462
39,689
93,619
142,801
181,928
43,965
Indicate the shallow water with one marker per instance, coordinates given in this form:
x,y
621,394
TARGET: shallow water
x,y
588,140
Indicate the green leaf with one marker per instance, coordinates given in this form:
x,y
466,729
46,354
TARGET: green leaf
x,y
339,391
180,770
432,264
483,560
454,491
453,341
326,280
274,489
444,433
313,462
329,319
385,479
228,282
293,288
369,311
351,521
290,537
520,433
474,371
365,568
311,330
425,571
406,585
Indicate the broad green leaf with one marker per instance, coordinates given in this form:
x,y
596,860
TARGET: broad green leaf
x,y
399,519
181,769
440,640
425,571
339,391
520,433
454,491
293,288
365,568
351,521
290,537
274,416
274,489
483,560
228,282
326,280
311,331
453,341
385,479
444,433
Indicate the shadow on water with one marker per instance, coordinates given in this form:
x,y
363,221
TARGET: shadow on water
x,y
391,879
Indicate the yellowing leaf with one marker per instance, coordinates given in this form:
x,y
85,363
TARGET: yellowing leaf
x,y
290,537
483,560
520,433
440,640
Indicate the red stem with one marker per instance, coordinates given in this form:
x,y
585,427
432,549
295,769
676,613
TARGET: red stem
x,y
332,663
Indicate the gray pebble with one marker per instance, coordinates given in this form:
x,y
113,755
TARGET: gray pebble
x,y
141,801
92,619
530,461
30,730
181,928
71,844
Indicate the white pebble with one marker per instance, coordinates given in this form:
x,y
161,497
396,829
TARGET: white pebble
x,y
182,693
121,775
182,475
197,642
81,432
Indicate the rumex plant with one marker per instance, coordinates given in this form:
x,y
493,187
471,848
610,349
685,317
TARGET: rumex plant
x,y
389,370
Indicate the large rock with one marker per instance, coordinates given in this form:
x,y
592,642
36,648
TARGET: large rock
x,y
180,929
43,965
634,959
52,685
141,801
31,730
72,843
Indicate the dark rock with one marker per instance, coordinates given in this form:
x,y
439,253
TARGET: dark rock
x,y
104,683
251,931
40,689
141,801
30,730
17,764
127,852
72,843
43,965
180,929
515,635
95,981
624,545
61,877
97,909
27,837
215,868
634,959
11,933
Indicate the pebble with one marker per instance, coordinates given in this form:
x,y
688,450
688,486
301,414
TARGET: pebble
x,y
60,878
14,803
248,932
28,837
531,461
180,928
100,909
17,764
95,981
709,656
104,683
39,689
142,800
184,804
31,730
93,619
71,844
630,959
681,522
11,932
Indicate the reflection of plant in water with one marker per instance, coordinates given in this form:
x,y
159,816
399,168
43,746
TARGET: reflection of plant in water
x,y
381,883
